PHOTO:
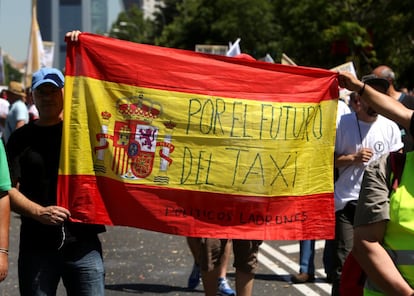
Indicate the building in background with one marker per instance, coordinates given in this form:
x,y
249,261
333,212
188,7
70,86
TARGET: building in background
x,y
56,17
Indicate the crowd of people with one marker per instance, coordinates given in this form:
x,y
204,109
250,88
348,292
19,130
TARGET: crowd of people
x,y
372,195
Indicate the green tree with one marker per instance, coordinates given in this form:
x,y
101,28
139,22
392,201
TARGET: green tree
x,y
317,33
391,26
164,14
327,33
218,22
322,33
10,73
131,25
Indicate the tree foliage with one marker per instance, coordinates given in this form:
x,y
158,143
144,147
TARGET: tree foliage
x,y
317,33
11,73
131,25
218,22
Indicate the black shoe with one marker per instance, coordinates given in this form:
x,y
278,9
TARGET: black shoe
x,y
329,279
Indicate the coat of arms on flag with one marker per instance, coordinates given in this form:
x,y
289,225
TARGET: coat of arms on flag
x,y
134,140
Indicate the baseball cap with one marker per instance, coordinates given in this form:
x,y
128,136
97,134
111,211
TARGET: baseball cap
x,y
374,80
48,75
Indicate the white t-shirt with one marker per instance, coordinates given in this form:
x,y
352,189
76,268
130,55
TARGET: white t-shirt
x,y
382,136
342,109
18,111
4,110
33,111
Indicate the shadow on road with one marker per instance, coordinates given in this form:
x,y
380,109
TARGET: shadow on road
x,y
273,277
147,288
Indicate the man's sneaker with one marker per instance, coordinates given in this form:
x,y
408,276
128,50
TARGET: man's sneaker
x,y
303,278
224,288
194,278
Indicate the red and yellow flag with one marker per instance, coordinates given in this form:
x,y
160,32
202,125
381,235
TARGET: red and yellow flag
x,y
199,145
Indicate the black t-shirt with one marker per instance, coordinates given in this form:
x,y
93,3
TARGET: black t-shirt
x,y
34,153
407,137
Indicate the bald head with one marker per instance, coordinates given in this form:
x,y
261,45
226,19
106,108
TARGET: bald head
x,y
384,72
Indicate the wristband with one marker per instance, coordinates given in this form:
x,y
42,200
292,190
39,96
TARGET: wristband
x,y
361,91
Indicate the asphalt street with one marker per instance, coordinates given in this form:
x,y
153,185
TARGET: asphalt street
x,y
150,263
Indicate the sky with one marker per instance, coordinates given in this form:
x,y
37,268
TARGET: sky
x,y
15,18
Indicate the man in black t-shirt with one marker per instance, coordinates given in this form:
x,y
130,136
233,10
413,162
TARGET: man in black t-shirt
x,y
51,247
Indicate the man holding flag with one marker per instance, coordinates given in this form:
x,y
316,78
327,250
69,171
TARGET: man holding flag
x,y
51,248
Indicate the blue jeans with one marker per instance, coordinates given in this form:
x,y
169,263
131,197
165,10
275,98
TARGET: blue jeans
x,y
79,264
307,256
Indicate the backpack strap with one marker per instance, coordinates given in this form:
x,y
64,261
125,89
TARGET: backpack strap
x,y
397,161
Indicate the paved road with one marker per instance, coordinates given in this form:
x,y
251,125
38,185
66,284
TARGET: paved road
x,y
150,263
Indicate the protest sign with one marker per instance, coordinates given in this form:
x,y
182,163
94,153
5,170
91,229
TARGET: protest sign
x,y
195,144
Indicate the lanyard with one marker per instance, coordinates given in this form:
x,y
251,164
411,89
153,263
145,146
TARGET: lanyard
x,y
359,128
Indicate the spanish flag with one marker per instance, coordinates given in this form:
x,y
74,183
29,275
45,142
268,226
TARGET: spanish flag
x,y
194,144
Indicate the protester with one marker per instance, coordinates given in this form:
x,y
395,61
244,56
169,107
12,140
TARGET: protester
x,y
306,262
245,261
18,114
307,247
405,99
373,202
51,247
5,186
387,73
361,138
4,110
224,289
3,93
381,103
245,254
33,113
383,244
343,108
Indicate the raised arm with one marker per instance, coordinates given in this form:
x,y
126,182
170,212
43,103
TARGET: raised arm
x,y
382,103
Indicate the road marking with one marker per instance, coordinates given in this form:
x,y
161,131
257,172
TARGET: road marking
x,y
294,248
288,268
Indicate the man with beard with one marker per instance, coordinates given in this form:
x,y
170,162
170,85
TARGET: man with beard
x,y
362,137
